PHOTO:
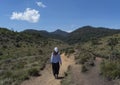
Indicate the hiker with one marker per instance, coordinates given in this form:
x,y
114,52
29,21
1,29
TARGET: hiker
x,y
56,61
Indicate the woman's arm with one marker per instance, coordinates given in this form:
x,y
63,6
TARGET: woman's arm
x,y
60,61
51,59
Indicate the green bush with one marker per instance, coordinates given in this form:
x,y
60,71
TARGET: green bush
x,y
7,74
67,80
33,72
110,70
4,46
18,66
69,50
84,68
1,53
40,51
24,77
83,60
20,75
91,63
84,57
6,81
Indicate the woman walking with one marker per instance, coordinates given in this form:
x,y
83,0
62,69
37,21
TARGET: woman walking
x,y
56,61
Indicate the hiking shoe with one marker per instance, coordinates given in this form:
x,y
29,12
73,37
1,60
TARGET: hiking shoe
x,y
56,76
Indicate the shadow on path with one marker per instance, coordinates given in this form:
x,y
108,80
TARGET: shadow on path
x,y
60,77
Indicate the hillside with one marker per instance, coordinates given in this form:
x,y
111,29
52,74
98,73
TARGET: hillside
x,y
60,32
79,35
107,48
97,63
23,55
86,33
102,46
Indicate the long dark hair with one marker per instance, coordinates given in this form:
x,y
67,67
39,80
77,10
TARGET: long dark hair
x,y
55,53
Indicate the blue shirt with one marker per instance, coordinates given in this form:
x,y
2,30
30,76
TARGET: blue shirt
x,y
55,58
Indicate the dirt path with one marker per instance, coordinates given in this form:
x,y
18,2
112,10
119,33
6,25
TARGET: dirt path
x,y
91,77
47,77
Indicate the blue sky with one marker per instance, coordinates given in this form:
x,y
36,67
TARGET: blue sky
x,y
67,15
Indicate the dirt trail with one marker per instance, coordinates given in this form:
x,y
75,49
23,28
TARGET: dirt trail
x,y
91,77
47,78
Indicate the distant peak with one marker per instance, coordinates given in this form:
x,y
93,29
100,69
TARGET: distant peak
x,y
60,32
88,26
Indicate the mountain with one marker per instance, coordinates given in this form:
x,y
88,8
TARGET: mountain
x,y
24,53
60,32
41,32
79,35
86,33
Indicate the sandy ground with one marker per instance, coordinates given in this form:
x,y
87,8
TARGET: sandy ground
x,y
91,77
47,78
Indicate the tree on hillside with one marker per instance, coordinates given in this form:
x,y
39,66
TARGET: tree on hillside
x,y
94,41
112,42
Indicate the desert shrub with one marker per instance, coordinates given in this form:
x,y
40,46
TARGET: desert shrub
x,y
68,77
84,57
24,76
95,41
91,63
40,51
84,68
29,53
1,53
83,60
20,75
7,74
112,42
69,50
4,46
19,65
33,72
115,55
6,81
18,45
42,67
110,70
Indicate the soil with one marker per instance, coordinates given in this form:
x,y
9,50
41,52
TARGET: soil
x,y
47,77
91,77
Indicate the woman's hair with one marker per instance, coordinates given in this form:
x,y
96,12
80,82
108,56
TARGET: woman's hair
x,y
55,53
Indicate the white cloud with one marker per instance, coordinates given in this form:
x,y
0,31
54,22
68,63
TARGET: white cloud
x,y
40,4
30,15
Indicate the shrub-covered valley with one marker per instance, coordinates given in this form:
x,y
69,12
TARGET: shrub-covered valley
x,y
24,54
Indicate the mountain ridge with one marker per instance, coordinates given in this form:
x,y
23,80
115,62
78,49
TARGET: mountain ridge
x,y
86,33
60,32
82,34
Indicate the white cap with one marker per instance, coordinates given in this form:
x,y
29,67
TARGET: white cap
x,y
56,49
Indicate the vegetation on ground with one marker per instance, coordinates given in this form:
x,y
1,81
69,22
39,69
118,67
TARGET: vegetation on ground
x,y
68,78
109,49
23,55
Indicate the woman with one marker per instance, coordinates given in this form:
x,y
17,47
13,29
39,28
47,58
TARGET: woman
x,y
56,61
